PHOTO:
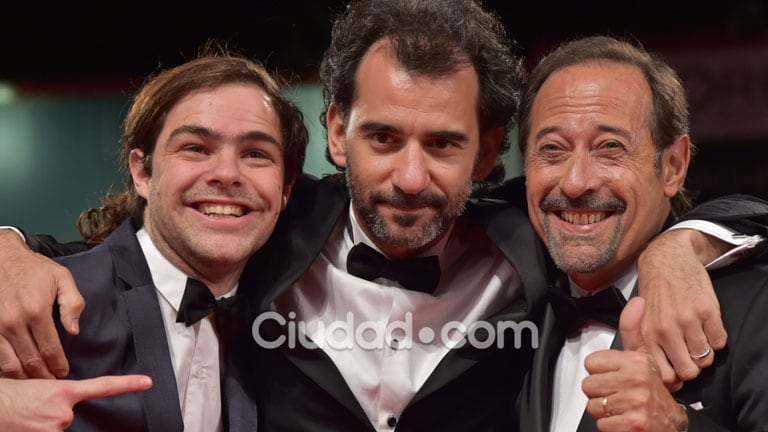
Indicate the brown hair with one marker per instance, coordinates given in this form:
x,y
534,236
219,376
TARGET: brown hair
x,y
214,67
432,38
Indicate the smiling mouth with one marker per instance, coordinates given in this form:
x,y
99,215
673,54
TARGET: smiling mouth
x,y
581,218
220,211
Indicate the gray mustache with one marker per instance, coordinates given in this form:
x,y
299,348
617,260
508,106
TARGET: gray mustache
x,y
589,202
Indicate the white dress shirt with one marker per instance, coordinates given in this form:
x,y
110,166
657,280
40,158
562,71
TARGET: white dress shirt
x,y
384,373
195,350
568,400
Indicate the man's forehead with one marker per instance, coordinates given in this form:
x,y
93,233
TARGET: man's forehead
x,y
609,89
234,110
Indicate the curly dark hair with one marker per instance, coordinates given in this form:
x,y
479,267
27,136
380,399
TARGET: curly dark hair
x,y
215,66
432,38
669,113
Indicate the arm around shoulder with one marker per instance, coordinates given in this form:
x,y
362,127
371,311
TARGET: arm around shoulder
x,y
30,284
742,213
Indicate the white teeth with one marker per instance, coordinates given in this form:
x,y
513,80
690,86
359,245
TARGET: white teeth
x,y
219,210
582,218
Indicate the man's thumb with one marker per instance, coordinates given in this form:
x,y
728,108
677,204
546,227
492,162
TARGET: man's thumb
x,y
71,303
629,325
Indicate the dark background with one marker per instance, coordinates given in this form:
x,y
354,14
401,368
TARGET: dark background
x,y
62,41
68,48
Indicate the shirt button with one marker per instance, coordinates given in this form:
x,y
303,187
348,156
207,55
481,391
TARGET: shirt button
x,y
392,422
395,344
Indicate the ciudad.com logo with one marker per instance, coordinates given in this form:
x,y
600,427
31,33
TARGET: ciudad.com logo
x,y
399,334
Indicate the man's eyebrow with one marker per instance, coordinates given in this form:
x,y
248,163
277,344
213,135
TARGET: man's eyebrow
x,y
449,135
259,136
195,130
604,128
383,127
209,133
545,131
373,126
614,130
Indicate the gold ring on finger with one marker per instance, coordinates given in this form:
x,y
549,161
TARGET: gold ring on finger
x,y
604,403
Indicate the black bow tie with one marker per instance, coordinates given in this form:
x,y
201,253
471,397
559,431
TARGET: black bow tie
x,y
571,313
198,302
418,274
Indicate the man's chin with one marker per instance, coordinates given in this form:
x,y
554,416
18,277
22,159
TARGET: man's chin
x,y
580,259
412,237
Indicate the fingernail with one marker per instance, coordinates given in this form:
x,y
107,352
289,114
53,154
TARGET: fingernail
x,y
74,326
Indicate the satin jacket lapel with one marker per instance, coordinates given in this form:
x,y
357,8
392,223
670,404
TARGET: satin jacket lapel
x,y
512,233
316,365
302,231
457,361
320,368
299,236
536,398
588,423
238,409
617,345
161,401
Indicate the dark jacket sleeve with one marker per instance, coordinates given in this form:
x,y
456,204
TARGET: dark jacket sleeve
x,y
698,422
743,213
48,246
513,192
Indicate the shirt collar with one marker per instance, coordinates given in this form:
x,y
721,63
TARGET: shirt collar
x,y
625,283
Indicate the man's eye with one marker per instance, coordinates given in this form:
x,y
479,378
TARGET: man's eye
x,y
258,154
549,148
381,138
441,144
194,148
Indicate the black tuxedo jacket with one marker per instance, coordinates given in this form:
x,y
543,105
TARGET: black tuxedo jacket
x,y
121,332
471,390
302,390
733,392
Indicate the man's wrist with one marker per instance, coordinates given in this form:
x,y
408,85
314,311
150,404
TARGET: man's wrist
x,y
706,248
730,247
5,230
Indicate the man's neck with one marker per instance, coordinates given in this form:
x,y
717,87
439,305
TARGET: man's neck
x,y
219,277
603,278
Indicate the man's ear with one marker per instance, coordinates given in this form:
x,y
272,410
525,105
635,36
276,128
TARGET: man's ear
x,y
674,165
490,143
286,195
334,119
137,163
